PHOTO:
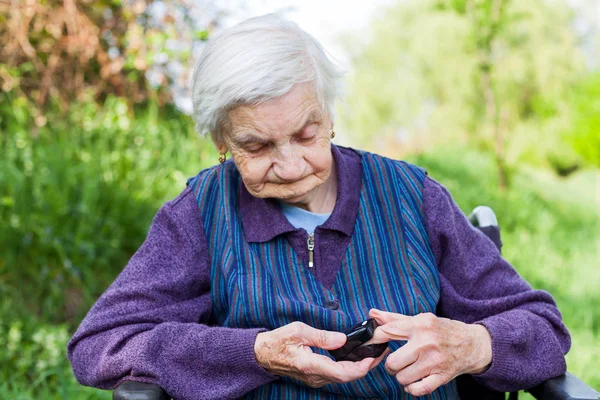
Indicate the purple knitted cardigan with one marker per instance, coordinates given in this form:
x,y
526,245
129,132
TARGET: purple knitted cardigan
x,y
154,323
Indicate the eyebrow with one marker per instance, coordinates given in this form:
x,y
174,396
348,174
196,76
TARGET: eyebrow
x,y
246,139
249,138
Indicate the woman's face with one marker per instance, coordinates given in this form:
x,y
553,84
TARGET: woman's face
x,y
282,148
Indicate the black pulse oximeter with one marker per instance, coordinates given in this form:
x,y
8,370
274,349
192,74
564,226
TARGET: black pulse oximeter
x,y
355,348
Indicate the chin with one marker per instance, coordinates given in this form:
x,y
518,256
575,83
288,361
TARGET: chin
x,y
291,195
292,198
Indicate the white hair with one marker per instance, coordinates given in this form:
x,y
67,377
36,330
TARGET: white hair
x,y
255,61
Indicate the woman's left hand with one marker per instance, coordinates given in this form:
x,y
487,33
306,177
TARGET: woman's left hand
x,y
438,349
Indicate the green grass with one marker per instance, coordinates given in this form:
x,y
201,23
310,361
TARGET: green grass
x,y
78,195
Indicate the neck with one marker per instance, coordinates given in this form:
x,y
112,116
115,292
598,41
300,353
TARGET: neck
x,y
321,200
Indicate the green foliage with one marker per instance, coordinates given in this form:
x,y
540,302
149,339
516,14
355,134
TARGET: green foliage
x,y
453,71
77,196
585,130
33,363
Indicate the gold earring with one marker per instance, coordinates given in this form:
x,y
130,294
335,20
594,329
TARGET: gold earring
x,y
222,157
332,134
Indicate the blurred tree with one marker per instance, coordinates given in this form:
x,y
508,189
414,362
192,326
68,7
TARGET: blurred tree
x,y
63,48
488,19
584,133
493,72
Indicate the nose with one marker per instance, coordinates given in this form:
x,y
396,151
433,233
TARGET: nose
x,y
288,165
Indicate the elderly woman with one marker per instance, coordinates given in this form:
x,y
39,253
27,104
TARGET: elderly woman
x,y
247,279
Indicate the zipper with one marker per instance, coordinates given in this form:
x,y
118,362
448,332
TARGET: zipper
x,y
311,247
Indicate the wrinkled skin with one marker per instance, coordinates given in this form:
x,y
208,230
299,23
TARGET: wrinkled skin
x,y
286,352
282,149
437,351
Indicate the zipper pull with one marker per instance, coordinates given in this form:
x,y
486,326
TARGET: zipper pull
x,y
311,248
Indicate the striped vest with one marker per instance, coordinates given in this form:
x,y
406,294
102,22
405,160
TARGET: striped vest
x,y
388,264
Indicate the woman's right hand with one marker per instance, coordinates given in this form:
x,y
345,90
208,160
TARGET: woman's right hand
x,y
286,351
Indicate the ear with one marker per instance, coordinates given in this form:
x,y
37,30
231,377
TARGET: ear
x,y
220,145
221,136
222,149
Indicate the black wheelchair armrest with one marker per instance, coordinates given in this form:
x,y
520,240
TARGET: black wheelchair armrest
x,y
130,390
564,387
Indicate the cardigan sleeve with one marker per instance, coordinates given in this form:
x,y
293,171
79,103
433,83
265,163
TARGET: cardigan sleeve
x,y
151,324
477,285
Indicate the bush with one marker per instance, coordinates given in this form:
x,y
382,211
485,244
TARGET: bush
x,y
33,363
78,194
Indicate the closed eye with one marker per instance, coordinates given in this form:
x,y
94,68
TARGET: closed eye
x,y
308,134
305,139
256,148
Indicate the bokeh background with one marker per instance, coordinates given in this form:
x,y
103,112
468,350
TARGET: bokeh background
x,y
498,99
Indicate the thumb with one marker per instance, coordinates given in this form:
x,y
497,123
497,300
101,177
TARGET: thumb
x,y
384,317
388,332
326,340
392,326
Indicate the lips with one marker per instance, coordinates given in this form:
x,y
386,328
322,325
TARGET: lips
x,y
287,182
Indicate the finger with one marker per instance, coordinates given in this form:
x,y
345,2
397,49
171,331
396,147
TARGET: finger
x,y
404,323
378,360
341,372
395,330
401,358
358,369
383,317
426,385
412,373
327,340
320,365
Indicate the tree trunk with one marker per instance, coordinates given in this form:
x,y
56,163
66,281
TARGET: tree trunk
x,y
486,32
491,107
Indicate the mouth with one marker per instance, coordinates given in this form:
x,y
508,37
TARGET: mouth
x,y
288,190
282,182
